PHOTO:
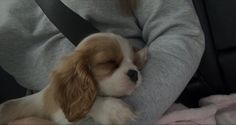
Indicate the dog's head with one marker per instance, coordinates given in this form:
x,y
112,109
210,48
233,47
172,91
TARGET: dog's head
x,y
102,64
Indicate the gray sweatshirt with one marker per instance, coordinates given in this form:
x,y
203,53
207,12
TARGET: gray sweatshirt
x,y
31,46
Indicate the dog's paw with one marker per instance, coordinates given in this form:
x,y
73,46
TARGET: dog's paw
x,y
113,111
120,113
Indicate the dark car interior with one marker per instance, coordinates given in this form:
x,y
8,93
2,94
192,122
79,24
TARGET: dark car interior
x,y
217,71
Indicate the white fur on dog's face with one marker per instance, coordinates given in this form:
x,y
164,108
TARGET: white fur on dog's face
x,y
113,58
119,83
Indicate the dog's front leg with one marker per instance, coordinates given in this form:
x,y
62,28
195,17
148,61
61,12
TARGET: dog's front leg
x,y
21,108
109,111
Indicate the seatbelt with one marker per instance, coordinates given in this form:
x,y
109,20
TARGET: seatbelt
x,y
70,24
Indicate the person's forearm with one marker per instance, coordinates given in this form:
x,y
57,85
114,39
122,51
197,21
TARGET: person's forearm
x,y
176,44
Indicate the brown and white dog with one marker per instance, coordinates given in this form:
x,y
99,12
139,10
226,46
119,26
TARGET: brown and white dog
x,y
85,84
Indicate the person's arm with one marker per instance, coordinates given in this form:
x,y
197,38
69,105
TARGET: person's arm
x,y
176,44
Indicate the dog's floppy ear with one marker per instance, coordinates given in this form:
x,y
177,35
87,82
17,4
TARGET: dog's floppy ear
x,y
140,57
75,87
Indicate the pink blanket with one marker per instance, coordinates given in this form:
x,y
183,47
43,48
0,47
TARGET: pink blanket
x,y
214,110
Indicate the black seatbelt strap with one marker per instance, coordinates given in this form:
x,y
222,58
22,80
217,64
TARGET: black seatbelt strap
x,y
73,26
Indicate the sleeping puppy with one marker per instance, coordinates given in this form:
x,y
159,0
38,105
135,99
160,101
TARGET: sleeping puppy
x,y
85,84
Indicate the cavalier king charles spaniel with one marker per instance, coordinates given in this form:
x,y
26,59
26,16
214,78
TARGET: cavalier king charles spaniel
x,y
86,84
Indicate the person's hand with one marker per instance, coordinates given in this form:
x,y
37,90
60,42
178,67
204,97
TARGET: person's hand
x,y
31,121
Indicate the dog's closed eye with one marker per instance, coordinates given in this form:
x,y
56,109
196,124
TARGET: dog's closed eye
x,y
110,61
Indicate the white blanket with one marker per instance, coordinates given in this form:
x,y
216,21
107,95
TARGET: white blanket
x,y
214,110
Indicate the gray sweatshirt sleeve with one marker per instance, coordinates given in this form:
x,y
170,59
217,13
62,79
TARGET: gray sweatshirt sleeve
x,y
176,44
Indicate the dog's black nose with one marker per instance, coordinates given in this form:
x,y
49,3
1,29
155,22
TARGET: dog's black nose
x,y
133,75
